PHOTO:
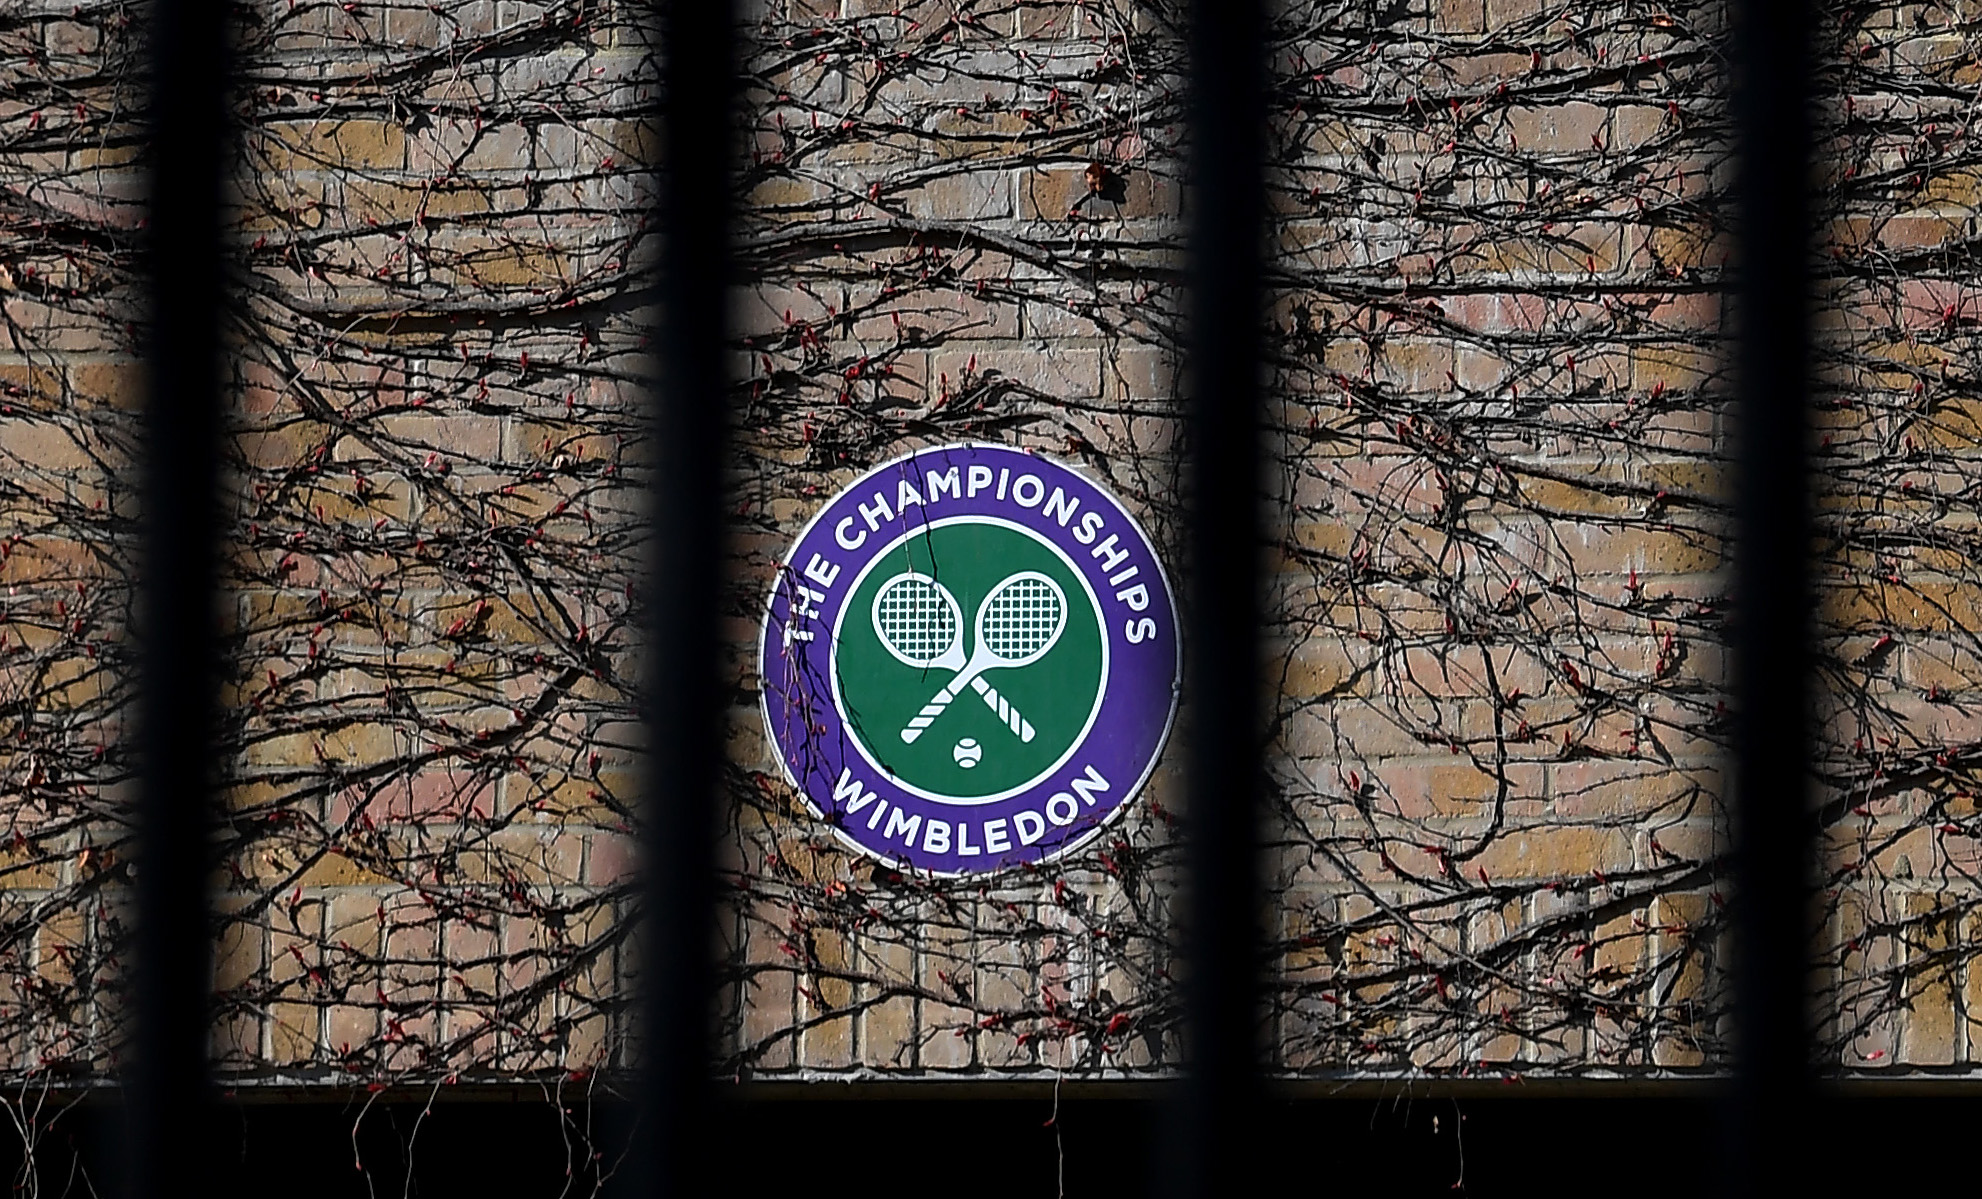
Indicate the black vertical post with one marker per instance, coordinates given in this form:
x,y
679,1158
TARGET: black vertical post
x,y
685,704
1768,1133
179,513
1222,373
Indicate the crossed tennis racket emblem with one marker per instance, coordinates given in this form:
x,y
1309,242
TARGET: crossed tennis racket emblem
x,y
921,623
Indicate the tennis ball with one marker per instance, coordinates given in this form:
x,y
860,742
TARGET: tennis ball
x,y
968,752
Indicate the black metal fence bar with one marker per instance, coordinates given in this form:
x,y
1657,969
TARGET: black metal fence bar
x,y
685,700
1222,375
176,612
1767,1133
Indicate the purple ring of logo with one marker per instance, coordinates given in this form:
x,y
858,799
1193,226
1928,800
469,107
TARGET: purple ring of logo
x,y
871,811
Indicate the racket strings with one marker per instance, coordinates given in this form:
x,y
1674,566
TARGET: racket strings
x,y
915,620
1024,615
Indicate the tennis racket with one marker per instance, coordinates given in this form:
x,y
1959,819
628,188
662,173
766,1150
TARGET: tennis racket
x,y
919,621
1017,623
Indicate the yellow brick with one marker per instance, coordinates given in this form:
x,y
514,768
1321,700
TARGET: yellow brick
x,y
37,445
1568,852
334,144
1929,1030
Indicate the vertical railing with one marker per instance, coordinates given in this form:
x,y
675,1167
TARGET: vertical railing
x,y
179,514
685,708
1769,1140
1222,375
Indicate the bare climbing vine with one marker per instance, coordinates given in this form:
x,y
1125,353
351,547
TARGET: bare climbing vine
x,y
1494,534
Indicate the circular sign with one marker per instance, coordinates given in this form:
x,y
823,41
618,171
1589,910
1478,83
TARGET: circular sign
x,y
970,660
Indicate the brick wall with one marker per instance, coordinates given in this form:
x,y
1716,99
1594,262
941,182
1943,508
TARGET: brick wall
x,y
933,266
68,391
437,483
1897,518
1501,527
1496,526
1496,519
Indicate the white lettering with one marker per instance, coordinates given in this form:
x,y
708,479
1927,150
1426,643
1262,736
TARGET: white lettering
x,y
881,506
1088,527
823,572
1136,597
1139,631
976,479
1030,827
1125,576
1112,556
936,836
839,535
1004,477
947,481
1062,801
804,607
1086,787
1060,502
906,494
995,839
874,821
906,828
1019,493
849,795
964,847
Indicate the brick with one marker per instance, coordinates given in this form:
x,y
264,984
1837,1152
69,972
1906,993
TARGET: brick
x,y
445,145
477,438
965,196
72,38
112,384
44,446
1502,14
1930,1031
418,799
338,144
825,1005
935,316
1567,127
770,996
474,956
948,1030
888,1034
610,859
1557,853
1461,16
1860,999
1050,371
1061,193
1006,977
1635,125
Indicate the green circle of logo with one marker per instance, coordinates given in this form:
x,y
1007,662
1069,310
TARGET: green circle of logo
x,y
969,660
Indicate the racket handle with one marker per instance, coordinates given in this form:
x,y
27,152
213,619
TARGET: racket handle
x,y
930,711
1020,726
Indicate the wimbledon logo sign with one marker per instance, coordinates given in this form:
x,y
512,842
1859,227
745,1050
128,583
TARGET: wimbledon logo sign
x,y
970,660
